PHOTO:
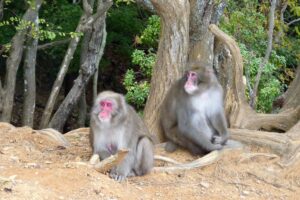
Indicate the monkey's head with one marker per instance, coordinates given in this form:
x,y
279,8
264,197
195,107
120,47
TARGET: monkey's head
x,y
109,106
196,76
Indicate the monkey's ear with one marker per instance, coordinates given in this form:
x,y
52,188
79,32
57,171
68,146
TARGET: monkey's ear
x,y
122,103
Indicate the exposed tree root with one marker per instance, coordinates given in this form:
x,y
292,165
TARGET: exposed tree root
x,y
108,163
54,134
279,143
200,162
239,113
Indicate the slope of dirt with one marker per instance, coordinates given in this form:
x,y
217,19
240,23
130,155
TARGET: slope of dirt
x,y
32,166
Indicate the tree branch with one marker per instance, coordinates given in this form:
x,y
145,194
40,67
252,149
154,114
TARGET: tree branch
x,y
146,4
293,21
52,44
267,54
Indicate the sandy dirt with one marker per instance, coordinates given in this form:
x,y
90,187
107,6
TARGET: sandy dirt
x,y
33,166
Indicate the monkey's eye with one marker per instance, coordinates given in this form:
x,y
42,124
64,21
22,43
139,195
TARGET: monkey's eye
x,y
193,74
108,104
102,103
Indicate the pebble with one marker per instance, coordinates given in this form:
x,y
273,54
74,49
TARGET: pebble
x,y
204,184
245,192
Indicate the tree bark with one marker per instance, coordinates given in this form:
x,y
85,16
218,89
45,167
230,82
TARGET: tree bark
x,y
1,9
87,69
238,111
12,64
267,54
61,75
292,95
29,75
146,4
95,79
203,13
171,56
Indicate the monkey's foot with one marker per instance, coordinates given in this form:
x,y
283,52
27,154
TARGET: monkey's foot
x,y
170,146
217,140
117,177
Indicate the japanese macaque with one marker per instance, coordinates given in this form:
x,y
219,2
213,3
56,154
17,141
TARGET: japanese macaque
x,y
192,114
116,125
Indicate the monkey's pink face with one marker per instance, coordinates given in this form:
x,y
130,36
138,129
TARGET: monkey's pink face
x,y
190,85
106,109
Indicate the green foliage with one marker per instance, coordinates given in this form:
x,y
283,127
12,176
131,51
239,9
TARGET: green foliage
x,y
247,22
123,22
247,26
270,86
150,35
145,62
267,93
137,93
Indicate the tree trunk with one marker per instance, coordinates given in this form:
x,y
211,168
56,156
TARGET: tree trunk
x,y
29,76
61,75
87,69
267,54
171,56
238,111
292,95
203,13
85,23
95,79
13,62
1,9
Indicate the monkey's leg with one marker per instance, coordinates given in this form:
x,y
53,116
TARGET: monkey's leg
x,y
103,154
220,125
144,157
179,138
200,133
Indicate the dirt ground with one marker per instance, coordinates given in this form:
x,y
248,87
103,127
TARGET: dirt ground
x,y
33,166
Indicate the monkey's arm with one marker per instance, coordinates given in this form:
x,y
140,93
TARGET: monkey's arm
x,y
220,125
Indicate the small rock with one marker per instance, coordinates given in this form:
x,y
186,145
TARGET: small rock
x,y
245,192
77,159
204,184
15,159
32,165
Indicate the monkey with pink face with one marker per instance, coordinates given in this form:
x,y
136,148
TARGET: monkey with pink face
x,y
116,125
192,114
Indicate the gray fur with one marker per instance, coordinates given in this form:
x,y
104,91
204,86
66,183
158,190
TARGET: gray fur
x,y
126,130
195,119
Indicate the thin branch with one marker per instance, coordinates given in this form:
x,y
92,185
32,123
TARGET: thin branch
x,y
52,44
87,7
103,43
267,54
293,21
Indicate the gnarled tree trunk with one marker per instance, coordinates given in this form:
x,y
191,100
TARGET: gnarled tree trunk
x,y
171,56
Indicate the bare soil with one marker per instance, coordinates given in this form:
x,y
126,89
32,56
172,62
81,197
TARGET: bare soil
x,y
33,166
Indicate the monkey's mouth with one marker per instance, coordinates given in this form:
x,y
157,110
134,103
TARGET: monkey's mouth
x,y
190,88
104,116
